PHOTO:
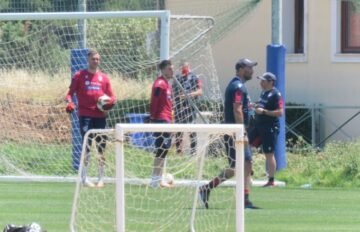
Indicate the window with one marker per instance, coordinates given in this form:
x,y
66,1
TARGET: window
x,y
350,27
299,26
294,29
345,31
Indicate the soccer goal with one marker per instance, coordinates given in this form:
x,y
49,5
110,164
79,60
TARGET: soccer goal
x,y
35,53
127,202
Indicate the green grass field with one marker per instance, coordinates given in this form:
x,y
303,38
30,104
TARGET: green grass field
x,y
326,207
284,209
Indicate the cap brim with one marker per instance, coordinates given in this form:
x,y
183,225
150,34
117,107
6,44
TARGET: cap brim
x,y
262,78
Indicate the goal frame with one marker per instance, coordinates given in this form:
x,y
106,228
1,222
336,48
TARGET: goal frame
x,y
163,15
78,56
239,140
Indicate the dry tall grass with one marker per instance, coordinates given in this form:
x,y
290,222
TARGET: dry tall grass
x,y
39,87
30,86
32,106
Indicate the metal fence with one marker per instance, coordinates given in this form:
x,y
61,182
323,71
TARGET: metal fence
x,y
318,124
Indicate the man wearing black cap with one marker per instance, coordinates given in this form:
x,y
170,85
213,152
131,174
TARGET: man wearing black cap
x,y
267,110
236,109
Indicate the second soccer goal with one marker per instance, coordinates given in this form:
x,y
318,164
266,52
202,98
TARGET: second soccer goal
x,y
142,190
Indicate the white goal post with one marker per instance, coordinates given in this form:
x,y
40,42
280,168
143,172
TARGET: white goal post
x,y
120,183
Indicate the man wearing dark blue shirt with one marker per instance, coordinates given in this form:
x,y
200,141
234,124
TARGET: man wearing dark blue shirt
x,y
186,88
267,110
236,109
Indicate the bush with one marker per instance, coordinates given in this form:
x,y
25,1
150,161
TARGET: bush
x,y
337,166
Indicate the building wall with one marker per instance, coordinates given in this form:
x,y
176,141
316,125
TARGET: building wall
x,y
315,80
320,80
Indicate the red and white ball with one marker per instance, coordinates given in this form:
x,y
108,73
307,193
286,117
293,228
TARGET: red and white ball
x,y
102,101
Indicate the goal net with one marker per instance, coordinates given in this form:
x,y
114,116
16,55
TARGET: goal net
x,y
129,202
35,71
35,76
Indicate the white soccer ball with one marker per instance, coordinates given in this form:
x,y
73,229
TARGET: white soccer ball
x,y
34,227
102,101
168,178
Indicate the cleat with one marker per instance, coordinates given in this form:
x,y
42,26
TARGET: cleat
x,y
88,183
154,184
249,205
193,151
100,184
163,184
269,184
204,194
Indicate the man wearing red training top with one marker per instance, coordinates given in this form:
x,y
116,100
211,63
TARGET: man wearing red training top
x,y
89,85
161,112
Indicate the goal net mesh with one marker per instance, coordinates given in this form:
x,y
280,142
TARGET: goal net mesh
x,y
35,72
155,209
36,140
35,77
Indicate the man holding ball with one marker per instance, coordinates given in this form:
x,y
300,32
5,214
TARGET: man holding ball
x,y
89,85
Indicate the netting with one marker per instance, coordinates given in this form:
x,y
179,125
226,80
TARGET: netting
x,y
176,207
227,16
37,68
35,76
74,5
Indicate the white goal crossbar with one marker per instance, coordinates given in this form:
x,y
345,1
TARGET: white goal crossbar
x,y
236,130
163,15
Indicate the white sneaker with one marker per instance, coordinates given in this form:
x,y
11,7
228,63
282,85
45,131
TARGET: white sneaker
x,y
88,183
100,184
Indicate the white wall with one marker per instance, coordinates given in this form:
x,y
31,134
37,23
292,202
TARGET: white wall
x,y
249,39
318,79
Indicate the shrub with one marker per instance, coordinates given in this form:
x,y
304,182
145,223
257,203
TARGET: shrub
x,y
336,166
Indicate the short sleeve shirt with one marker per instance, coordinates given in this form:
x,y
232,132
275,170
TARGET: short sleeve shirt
x,y
236,92
269,100
88,87
189,83
161,100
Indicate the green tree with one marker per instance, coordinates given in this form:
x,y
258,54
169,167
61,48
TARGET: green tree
x,y
29,6
356,5
124,40
4,4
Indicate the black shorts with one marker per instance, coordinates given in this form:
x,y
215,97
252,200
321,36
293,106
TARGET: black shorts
x,y
264,135
231,152
87,123
162,139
